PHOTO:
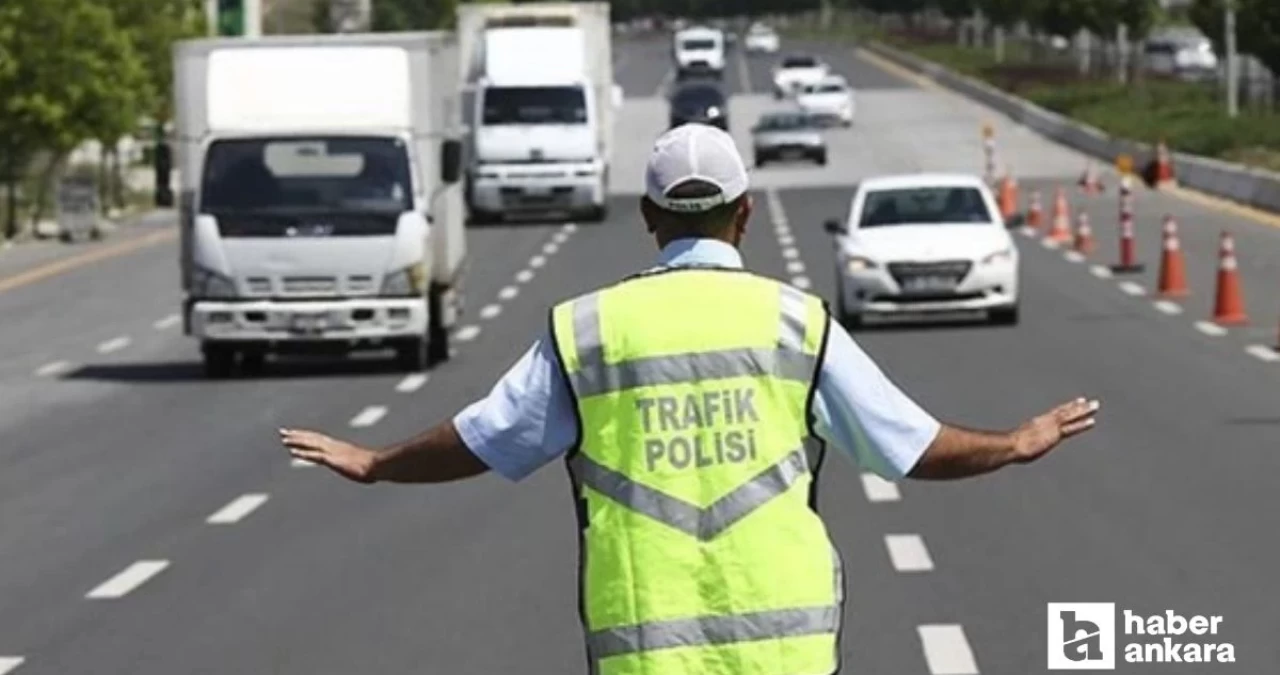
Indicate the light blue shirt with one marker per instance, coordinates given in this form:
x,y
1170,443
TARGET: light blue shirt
x,y
528,419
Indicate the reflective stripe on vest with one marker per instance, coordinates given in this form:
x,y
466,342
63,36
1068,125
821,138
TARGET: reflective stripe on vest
x,y
766,630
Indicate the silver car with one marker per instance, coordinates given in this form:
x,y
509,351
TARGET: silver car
x,y
785,135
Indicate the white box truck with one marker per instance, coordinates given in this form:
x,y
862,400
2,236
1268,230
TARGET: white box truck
x,y
542,104
320,199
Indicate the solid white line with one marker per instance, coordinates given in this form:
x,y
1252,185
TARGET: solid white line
x,y
790,253
537,261
1100,271
786,240
238,509
550,248
126,581
53,368
1209,328
783,232
908,553
795,267
743,72
946,650
167,322
369,416
801,282
508,292
1027,232
524,276
467,333
300,463
490,311
570,228
1073,256
8,663
1049,243
1132,288
411,383
1168,306
1263,353
879,489
113,345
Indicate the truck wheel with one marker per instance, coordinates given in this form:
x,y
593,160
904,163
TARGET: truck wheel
x,y
253,362
412,355
598,214
437,347
219,361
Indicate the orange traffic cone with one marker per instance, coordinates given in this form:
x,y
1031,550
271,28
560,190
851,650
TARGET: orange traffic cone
x,y
1089,181
1164,166
1173,268
1228,305
1060,230
1008,197
1084,234
1035,214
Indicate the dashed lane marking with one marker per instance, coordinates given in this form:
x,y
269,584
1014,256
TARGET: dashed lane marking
x,y
524,276
1073,256
508,292
908,553
167,322
1167,307
1100,271
550,248
1049,243
786,240
369,416
412,383
795,267
490,311
127,580
238,509
467,333
946,650
537,261
54,368
1132,288
1263,353
802,283
570,228
1211,329
9,663
790,253
114,345
879,489
560,238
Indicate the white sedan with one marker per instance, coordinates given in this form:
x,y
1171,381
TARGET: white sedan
x,y
924,243
831,98
797,72
761,40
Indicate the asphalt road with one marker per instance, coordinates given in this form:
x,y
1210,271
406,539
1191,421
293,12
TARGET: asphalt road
x,y
115,461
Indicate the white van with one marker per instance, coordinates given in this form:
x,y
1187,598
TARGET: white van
x,y
699,51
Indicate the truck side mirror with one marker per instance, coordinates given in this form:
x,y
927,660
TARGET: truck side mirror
x,y
451,161
833,227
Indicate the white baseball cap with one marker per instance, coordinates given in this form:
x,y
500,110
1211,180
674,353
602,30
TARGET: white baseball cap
x,y
695,152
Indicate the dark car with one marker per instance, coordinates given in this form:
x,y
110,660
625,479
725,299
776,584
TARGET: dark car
x,y
700,102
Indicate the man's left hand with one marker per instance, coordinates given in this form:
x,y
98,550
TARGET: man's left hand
x,y
349,460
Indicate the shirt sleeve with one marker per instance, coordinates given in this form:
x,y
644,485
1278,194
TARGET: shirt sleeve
x,y
862,413
526,421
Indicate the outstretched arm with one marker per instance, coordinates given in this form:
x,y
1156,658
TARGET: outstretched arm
x,y
436,456
961,453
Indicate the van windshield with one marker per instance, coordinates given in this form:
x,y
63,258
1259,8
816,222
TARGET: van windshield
x,y
330,174
534,105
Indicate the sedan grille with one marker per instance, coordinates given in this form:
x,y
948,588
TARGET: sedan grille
x,y
954,271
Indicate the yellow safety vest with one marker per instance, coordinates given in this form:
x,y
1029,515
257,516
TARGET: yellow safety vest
x,y
702,550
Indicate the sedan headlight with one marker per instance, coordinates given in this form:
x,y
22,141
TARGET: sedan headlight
x,y
408,282
859,264
205,283
1003,255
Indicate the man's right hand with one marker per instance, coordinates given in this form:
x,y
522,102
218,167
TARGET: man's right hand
x,y
1037,437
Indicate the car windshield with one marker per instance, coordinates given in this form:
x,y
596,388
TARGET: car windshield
x,y
799,62
827,89
534,105
697,44
785,123
698,97
347,174
924,206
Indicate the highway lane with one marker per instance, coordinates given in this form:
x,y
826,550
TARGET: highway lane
x,y
133,454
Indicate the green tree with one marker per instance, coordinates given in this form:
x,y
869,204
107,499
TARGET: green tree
x,y
956,9
1068,17
398,15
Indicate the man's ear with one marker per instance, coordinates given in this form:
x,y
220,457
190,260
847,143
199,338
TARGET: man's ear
x,y
646,214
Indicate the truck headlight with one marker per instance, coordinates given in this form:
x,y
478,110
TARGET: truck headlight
x,y
1003,255
205,283
859,264
408,282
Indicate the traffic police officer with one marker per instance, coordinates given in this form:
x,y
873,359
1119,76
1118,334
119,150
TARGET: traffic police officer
x,y
693,401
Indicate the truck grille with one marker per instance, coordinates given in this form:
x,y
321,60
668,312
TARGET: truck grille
x,y
310,285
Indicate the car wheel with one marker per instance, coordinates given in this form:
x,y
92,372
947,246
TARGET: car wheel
x,y
821,159
850,320
1004,316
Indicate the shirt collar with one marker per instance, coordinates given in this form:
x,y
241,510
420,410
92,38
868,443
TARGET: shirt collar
x,y
687,252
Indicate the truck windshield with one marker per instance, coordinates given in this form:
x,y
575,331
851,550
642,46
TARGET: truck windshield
x,y
336,174
698,45
534,105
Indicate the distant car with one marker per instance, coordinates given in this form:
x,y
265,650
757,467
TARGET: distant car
x,y
924,243
830,100
761,39
702,102
784,135
699,51
1184,56
796,72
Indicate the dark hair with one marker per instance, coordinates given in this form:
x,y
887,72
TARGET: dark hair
x,y
712,223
